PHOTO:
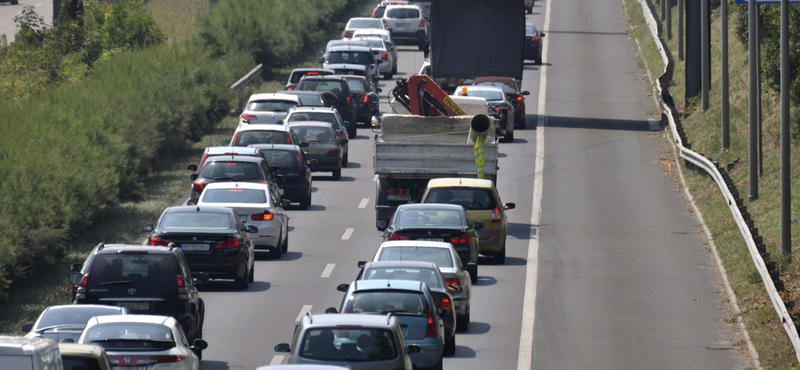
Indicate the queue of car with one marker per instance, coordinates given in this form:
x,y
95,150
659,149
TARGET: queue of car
x,y
138,306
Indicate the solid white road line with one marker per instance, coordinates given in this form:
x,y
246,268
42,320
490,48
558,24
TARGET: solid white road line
x,y
363,203
328,270
303,311
276,360
348,233
375,179
529,302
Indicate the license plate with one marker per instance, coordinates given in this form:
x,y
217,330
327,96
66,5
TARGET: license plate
x,y
135,306
432,239
398,197
403,25
195,247
462,249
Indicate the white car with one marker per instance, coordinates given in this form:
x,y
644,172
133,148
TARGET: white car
x,y
386,35
381,51
276,133
408,25
143,342
267,108
499,106
360,22
254,205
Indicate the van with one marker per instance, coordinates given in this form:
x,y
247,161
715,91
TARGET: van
x,y
21,353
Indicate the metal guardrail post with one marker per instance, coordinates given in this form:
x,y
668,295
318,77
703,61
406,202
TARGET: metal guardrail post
x,y
250,76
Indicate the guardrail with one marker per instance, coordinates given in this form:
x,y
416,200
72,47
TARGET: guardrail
x,y
250,76
723,182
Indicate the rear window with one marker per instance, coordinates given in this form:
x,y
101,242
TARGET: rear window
x,y
231,171
297,75
245,138
439,256
130,336
442,217
404,273
356,85
349,343
383,302
196,221
270,105
364,23
488,95
314,116
314,134
147,269
283,159
332,86
78,317
249,196
311,100
469,198
507,86
402,13
378,13
349,57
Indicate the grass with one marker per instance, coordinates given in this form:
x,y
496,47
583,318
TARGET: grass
x,y
703,133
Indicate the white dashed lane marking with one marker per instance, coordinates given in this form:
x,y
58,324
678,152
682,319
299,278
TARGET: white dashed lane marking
x,y
348,233
277,360
303,311
328,270
363,203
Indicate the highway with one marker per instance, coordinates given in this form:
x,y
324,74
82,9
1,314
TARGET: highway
x,y
612,265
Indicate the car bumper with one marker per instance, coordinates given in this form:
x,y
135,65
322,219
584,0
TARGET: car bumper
x,y
294,193
216,267
431,352
532,52
414,37
460,304
327,164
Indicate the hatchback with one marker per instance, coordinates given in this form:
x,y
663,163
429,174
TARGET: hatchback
x,y
482,202
246,135
346,69
298,73
412,302
353,55
382,52
444,256
360,22
343,128
359,342
408,25
143,342
513,92
215,241
212,151
153,280
267,108
290,162
255,206
313,98
234,168
65,322
366,98
323,145
336,85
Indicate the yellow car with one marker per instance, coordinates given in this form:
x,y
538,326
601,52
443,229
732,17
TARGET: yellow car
x,y
84,356
482,202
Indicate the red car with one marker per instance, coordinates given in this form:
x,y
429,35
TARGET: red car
x,y
513,92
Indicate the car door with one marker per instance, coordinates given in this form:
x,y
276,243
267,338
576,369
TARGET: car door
x,y
266,174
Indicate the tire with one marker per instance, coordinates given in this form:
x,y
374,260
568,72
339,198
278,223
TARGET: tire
x,y
523,124
538,61
242,283
394,70
345,159
304,203
337,174
462,323
473,278
277,252
199,352
438,365
500,257
450,346
352,131
252,277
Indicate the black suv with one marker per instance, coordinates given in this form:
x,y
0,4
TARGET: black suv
x,y
290,161
143,279
337,85
234,168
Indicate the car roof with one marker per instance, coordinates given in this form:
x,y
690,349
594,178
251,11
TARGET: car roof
x,y
145,319
359,67
78,307
460,181
345,42
371,31
208,209
349,48
332,319
103,248
431,206
355,77
384,284
236,185
404,6
480,88
233,158
327,77
234,150
391,263
310,124
494,78
306,70
306,108
266,96
416,243
275,146
261,127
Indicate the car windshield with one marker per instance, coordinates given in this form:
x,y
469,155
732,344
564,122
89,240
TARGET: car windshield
x,y
402,13
352,57
469,198
130,336
283,159
231,170
507,86
488,95
332,86
270,105
349,343
196,220
150,269
245,138
78,316
297,75
383,302
311,100
428,276
428,217
234,195
364,23
440,256
374,42
314,134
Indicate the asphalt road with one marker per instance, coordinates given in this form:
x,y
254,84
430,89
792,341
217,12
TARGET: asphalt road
x,y
43,8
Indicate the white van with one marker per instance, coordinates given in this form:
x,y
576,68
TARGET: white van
x,y
20,353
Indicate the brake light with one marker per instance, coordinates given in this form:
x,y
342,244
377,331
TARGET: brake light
x,y
384,56
266,216
365,99
313,73
452,282
333,153
247,117
181,282
183,292
431,331
395,236
496,215
445,304
397,191
299,160
158,241
290,88
535,39
349,101
340,134
288,140
462,239
384,21
197,187
422,23
84,281
519,99
230,243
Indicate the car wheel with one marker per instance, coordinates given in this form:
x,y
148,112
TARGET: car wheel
x,y
285,245
538,61
473,277
352,131
277,252
450,346
438,365
462,322
243,282
199,352
508,138
305,202
345,159
252,276
337,174
522,123
394,69
500,257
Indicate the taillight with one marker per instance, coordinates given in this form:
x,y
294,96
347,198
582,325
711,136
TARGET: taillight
x,y
496,215
181,282
197,187
384,56
422,23
333,153
384,21
229,243
519,99
445,304
266,216
431,332
157,241
288,140
365,100
84,281
247,117
452,282
397,191
349,102
535,39
463,239
395,236
290,88
183,292
300,161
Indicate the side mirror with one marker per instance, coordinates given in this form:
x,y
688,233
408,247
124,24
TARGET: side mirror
x,y
379,90
148,228
510,206
381,225
199,344
283,83
379,61
361,264
27,327
226,143
202,279
192,167
343,287
331,310
75,267
446,313
526,92
252,229
541,34
375,121
478,225
285,203
75,278
191,202
238,111
346,123
193,176
321,60
414,348
303,144
283,347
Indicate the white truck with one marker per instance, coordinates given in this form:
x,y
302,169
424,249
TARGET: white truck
x,y
412,149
